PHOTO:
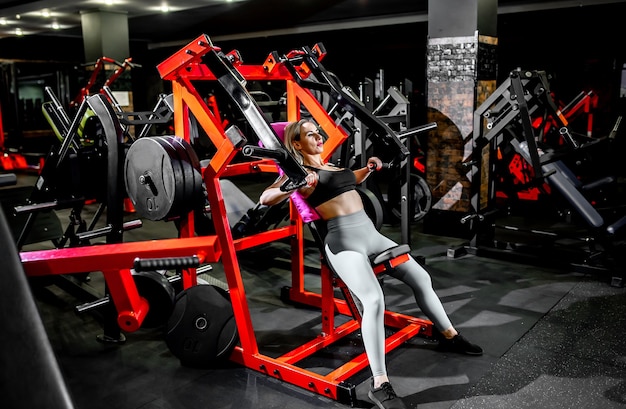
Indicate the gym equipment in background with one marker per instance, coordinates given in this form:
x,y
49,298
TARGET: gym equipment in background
x,y
504,121
129,293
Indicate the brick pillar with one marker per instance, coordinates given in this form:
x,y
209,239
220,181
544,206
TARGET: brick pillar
x,y
461,73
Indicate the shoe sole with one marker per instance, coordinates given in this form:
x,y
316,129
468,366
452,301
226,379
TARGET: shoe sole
x,y
441,348
373,399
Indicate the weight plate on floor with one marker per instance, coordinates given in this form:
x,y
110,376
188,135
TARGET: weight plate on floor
x,y
202,330
159,293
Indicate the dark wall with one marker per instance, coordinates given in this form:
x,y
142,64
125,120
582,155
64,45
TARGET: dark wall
x,y
582,48
42,48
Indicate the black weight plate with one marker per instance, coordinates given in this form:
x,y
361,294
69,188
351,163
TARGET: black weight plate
x,y
191,165
191,154
191,170
373,207
420,194
193,158
180,194
179,176
159,293
150,178
201,330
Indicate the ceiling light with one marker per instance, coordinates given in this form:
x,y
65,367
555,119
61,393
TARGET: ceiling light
x,y
109,2
19,32
55,25
165,8
45,13
3,21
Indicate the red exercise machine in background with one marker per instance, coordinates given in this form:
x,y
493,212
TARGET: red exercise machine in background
x,y
12,160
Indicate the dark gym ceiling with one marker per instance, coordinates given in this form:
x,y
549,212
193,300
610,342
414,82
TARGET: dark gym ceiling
x,y
232,19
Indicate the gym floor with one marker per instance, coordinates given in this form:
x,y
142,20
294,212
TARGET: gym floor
x,y
552,339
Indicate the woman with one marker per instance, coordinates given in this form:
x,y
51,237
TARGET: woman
x,y
350,239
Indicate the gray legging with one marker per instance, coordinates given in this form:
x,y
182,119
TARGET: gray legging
x,y
348,243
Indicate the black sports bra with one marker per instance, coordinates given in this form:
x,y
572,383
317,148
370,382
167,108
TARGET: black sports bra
x,y
331,183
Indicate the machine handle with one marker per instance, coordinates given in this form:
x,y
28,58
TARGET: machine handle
x,y
291,168
277,154
166,263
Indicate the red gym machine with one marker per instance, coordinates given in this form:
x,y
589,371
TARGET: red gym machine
x,y
201,61
98,67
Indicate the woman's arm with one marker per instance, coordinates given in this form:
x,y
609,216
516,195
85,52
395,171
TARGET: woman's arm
x,y
373,163
272,195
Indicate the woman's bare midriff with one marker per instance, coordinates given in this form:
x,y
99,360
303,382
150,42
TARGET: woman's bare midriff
x,y
342,205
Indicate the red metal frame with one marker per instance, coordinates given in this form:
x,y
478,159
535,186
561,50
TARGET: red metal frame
x,y
583,103
99,65
182,69
114,261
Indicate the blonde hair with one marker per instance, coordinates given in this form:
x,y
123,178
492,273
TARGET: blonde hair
x,y
292,133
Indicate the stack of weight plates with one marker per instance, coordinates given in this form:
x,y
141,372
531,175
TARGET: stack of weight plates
x,y
163,178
